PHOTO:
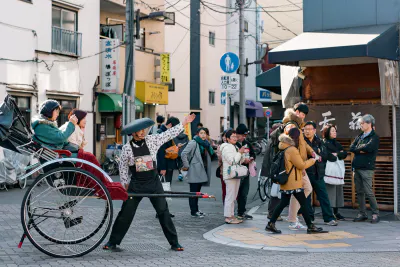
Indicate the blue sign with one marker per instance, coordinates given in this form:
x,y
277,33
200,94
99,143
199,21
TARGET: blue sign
x,y
229,62
223,98
264,95
268,113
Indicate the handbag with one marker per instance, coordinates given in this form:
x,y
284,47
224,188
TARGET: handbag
x,y
166,186
275,190
172,152
253,169
237,171
334,172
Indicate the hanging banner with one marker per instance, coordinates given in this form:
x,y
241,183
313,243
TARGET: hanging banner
x,y
165,68
389,80
346,118
109,65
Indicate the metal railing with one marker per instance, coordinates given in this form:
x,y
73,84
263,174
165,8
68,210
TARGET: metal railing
x,y
66,42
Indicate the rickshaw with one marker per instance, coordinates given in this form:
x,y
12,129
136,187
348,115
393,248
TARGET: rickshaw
x,y
67,211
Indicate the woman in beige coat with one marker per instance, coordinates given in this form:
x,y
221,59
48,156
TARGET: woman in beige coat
x,y
294,165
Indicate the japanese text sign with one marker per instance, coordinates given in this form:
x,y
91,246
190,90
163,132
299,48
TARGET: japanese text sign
x,y
109,65
165,68
230,82
346,118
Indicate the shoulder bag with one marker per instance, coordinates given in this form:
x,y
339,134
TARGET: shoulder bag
x,y
334,172
172,152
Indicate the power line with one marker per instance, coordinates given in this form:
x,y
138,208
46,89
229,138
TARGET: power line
x,y
174,4
180,43
278,21
222,12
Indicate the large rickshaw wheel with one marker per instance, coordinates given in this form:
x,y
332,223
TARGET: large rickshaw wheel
x,y
67,212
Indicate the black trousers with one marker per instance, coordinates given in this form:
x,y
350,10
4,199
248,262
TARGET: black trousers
x,y
194,202
127,213
242,195
168,176
285,200
272,204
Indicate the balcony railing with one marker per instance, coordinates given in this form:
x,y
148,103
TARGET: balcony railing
x,y
66,42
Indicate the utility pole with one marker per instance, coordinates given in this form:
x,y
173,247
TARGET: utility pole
x,y
242,103
129,83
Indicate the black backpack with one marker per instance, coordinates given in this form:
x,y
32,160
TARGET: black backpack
x,y
277,170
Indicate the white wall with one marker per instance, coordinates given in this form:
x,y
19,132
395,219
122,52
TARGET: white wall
x,y
71,75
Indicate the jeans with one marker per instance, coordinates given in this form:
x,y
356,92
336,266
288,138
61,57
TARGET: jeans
x,y
322,196
363,183
194,202
285,199
242,195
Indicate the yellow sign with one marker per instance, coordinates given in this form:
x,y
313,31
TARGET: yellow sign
x,y
165,68
188,129
152,93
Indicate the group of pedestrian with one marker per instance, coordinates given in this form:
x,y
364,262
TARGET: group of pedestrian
x,y
309,162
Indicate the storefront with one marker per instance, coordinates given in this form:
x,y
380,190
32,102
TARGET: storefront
x,y
110,111
346,74
152,95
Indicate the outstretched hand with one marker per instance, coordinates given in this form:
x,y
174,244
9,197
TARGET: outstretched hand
x,y
188,119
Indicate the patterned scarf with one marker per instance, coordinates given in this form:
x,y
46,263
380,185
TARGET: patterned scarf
x,y
204,144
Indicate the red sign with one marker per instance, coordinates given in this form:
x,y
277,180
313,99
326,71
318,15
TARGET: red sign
x,y
268,113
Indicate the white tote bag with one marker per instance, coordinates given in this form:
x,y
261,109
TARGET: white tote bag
x,y
166,186
334,172
275,190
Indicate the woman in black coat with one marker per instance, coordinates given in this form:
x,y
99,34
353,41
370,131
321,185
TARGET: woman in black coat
x,y
336,152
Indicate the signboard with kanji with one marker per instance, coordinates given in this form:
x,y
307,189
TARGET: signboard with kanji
x,y
165,68
109,65
230,82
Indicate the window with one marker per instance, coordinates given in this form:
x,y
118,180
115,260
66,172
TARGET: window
x,y
211,38
64,19
211,97
171,86
169,18
24,105
109,122
246,26
67,106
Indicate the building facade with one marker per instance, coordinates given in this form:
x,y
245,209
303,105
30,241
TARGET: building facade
x,y
50,53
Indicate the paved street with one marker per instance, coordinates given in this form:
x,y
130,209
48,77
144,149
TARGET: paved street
x,y
145,244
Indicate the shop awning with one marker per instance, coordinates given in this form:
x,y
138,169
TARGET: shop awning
x,y
109,102
270,80
254,109
378,41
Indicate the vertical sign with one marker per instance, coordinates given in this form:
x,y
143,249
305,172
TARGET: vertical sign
x,y
188,129
110,65
165,68
223,98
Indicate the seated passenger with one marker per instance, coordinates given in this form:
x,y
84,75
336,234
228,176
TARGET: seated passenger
x,y
76,140
47,133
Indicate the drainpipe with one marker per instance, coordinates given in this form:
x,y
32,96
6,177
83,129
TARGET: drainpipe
x,y
94,96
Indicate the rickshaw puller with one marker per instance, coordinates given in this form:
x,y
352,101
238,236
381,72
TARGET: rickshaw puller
x,y
139,156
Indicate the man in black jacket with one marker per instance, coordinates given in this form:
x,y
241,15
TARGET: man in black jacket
x,y
365,148
316,174
241,132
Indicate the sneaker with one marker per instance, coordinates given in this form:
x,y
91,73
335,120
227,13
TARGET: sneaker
x,y
332,223
245,217
180,178
202,213
360,218
315,230
296,226
375,219
111,247
177,247
271,228
197,215
340,217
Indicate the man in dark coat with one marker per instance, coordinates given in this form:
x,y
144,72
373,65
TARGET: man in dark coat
x,y
316,174
365,148
241,132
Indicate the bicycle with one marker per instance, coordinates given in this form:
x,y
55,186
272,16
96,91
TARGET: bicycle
x,y
111,165
264,187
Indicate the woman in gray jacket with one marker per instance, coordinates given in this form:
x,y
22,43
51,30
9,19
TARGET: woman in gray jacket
x,y
196,159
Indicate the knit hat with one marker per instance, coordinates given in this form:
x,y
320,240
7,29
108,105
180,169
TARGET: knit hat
x,y
302,108
294,133
80,114
242,129
47,108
